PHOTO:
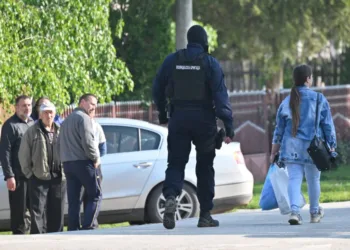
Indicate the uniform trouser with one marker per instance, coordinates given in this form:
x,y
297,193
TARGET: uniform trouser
x,y
19,207
47,199
199,127
82,174
84,196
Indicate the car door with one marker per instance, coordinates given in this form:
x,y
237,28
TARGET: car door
x,y
4,204
131,155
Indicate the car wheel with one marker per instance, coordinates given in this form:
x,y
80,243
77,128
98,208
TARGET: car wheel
x,y
187,204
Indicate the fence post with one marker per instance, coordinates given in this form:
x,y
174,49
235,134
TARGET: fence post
x,y
113,109
150,113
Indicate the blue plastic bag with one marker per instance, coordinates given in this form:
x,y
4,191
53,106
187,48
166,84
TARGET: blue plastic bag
x,y
267,198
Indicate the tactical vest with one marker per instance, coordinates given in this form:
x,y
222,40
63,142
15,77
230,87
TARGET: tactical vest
x,y
188,80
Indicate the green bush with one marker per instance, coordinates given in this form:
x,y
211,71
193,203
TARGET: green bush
x,y
343,149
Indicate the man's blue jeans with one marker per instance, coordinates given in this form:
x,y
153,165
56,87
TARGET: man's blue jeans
x,y
78,174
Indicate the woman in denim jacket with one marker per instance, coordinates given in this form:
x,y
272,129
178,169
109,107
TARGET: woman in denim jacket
x,y
295,128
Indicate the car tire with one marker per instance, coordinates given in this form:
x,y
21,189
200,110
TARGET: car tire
x,y
188,206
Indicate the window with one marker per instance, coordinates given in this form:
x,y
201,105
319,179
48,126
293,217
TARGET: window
x,y
121,139
149,140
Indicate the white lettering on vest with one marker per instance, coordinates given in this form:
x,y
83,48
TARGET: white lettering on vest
x,y
188,67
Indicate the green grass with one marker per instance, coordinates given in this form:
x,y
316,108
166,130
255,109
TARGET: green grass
x,y
335,186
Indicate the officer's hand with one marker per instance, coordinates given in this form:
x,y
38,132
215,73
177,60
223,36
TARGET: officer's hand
x,y
163,119
11,184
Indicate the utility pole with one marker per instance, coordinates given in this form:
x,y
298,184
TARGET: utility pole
x,y
183,22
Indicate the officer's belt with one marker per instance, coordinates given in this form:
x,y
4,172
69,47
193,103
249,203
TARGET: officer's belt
x,y
193,107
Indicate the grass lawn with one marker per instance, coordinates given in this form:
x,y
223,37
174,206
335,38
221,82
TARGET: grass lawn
x,y
335,186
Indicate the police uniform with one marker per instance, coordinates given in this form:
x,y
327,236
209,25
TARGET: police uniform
x,y
190,92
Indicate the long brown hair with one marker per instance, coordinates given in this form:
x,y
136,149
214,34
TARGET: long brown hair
x,y
300,75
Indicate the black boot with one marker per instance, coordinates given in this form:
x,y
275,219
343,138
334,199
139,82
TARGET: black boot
x,y
169,214
205,220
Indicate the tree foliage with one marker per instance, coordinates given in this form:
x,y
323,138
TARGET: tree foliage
x,y
345,66
148,37
212,35
60,49
145,42
269,31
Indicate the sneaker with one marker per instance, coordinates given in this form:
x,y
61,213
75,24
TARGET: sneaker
x,y
295,219
316,218
169,213
205,220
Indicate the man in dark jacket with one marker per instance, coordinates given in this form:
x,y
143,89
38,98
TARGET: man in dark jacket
x,y
17,183
190,90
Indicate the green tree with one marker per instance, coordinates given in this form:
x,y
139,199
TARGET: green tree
x,y
268,31
145,41
60,49
345,65
212,35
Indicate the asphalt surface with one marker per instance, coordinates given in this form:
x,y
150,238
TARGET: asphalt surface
x,y
246,230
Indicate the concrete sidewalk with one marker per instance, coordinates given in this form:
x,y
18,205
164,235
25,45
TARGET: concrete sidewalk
x,y
246,229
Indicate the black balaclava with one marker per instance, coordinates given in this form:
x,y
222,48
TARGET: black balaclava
x,y
196,34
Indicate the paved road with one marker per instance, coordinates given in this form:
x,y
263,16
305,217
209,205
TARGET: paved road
x,y
243,230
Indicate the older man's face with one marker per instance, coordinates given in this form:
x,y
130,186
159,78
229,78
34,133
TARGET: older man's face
x,y
47,117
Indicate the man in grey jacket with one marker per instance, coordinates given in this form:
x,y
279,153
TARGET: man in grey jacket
x,y
80,162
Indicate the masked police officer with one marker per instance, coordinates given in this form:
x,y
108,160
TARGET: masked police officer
x,y
189,91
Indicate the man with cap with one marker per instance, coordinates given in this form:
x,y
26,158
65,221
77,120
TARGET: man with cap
x,y
190,92
40,163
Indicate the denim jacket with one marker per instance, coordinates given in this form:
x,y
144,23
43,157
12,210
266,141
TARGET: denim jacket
x,y
294,149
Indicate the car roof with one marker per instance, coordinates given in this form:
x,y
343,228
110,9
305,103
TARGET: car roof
x,y
130,122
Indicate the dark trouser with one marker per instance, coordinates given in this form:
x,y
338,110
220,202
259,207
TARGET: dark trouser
x,y
84,195
199,127
19,207
47,199
82,174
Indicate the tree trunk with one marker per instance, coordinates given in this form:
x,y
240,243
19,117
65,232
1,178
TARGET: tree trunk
x,y
183,22
276,81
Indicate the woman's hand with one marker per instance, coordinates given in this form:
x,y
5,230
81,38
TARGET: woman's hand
x,y
272,157
274,151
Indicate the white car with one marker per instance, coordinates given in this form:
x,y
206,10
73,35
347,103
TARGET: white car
x,y
134,170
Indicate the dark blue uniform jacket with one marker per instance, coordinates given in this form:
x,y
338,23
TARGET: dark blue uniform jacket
x,y
216,81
